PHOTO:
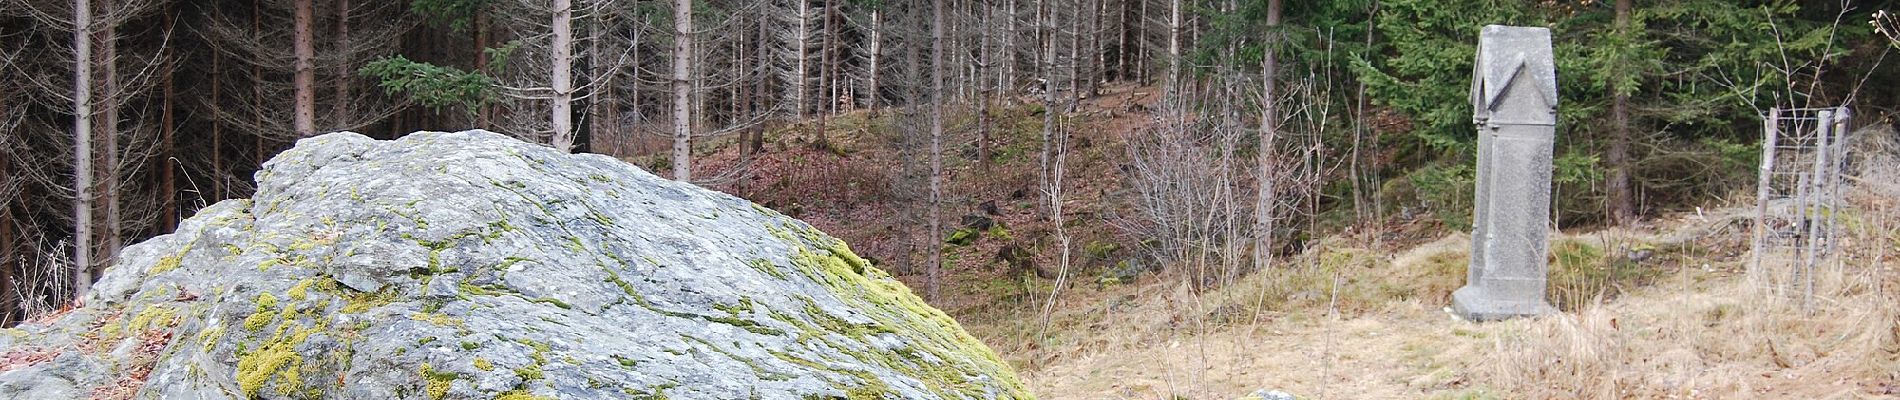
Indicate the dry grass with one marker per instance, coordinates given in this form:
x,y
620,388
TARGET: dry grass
x,y
1359,322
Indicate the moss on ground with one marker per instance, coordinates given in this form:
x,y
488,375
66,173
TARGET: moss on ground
x,y
170,262
437,382
276,358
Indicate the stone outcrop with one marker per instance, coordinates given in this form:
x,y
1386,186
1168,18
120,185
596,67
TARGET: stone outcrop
x,y
468,265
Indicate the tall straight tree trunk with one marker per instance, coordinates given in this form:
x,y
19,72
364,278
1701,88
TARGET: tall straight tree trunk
x,y
481,61
217,129
735,93
799,91
934,277
1363,207
304,111
108,129
339,111
1121,40
824,77
1007,80
1174,86
759,87
1046,22
618,131
1269,131
871,96
562,76
982,91
167,189
1075,55
834,47
598,125
633,86
1622,204
1095,58
8,309
1136,23
257,88
82,147
743,96
959,36
682,90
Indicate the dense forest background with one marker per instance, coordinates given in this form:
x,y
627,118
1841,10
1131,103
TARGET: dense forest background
x,y
119,117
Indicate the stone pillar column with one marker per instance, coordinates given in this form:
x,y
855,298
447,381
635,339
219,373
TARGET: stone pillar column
x,y
1514,104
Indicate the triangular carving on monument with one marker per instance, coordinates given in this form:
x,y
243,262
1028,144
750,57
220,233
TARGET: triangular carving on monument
x,y
1493,92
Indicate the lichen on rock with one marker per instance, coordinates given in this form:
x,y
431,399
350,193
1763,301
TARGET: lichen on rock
x,y
468,265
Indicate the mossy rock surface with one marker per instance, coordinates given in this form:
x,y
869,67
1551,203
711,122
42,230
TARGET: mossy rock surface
x,y
469,265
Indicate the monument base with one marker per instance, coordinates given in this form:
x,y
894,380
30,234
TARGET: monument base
x,y
1476,304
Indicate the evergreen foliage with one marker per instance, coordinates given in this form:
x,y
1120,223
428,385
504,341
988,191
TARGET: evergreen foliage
x,y
431,85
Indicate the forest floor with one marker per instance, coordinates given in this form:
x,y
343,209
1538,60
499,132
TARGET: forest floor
x,y
1667,309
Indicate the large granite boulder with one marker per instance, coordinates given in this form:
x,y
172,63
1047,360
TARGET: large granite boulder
x,y
468,265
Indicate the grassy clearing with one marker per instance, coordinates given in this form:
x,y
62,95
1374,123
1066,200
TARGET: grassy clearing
x,y
1351,321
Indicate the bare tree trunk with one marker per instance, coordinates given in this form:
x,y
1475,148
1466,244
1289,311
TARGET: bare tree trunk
x,y
1363,207
1007,80
877,55
633,99
735,92
759,89
167,189
304,117
339,112
1121,41
936,146
108,129
968,77
834,49
562,76
602,92
1269,131
1075,55
1174,53
825,60
1093,31
82,146
983,153
620,133
1622,203
8,308
799,91
1046,22
481,61
257,88
682,90
217,129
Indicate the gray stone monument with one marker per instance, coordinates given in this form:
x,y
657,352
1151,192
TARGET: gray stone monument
x,y
1514,104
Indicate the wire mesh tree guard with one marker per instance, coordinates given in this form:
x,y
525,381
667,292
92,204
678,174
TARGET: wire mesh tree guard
x,y
1798,196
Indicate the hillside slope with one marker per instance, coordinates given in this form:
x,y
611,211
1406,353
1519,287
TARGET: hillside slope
x,y
1666,309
